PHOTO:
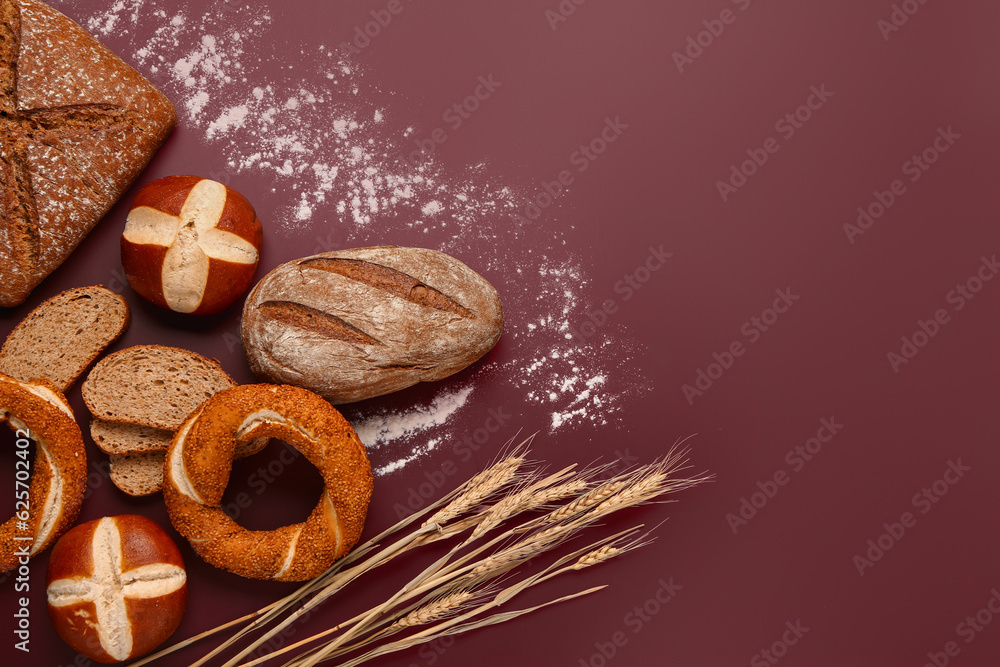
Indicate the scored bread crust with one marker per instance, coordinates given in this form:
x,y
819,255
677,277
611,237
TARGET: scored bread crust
x,y
59,474
202,273
353,324
63,336
116,587
81,127
199,462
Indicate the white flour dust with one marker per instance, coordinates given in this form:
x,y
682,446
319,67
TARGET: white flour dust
x,y
340,160
320,141
378,430
569,375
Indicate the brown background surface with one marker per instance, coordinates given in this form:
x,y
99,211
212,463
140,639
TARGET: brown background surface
x,y
826,358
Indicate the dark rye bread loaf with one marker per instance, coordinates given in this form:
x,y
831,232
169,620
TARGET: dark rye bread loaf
x,y
77,126
353,324
60,338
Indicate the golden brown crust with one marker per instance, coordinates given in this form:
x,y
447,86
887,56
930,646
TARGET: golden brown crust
x,y
155,239
200,459
58,482
138,575
390,316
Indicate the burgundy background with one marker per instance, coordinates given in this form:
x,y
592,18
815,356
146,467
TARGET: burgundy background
x,y
825,358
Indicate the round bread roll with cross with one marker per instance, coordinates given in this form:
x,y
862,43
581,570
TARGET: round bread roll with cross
x,y
191,244
116,587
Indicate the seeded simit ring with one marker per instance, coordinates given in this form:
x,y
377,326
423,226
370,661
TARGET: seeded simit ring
x,y
47,507
200,458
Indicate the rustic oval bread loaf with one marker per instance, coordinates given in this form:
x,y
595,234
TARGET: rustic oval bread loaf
x,y
353,324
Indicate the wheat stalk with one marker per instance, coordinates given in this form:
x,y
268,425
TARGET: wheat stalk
x,y
441,608
534,493
457,593
482,486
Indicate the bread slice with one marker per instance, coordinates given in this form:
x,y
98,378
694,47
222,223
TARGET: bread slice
x,y
78,126
141,473
152,386
59,339
125,439
138,474
139,397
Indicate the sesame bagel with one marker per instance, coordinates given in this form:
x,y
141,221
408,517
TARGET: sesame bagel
x,y
46,506
199,461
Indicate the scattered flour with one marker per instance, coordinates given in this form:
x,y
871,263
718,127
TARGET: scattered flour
x,y
415,453
378,430
344,163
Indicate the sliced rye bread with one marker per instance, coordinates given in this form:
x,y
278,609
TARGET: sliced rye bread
x,y
126,439
141,473
152,385
59,339
138,474
139,397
